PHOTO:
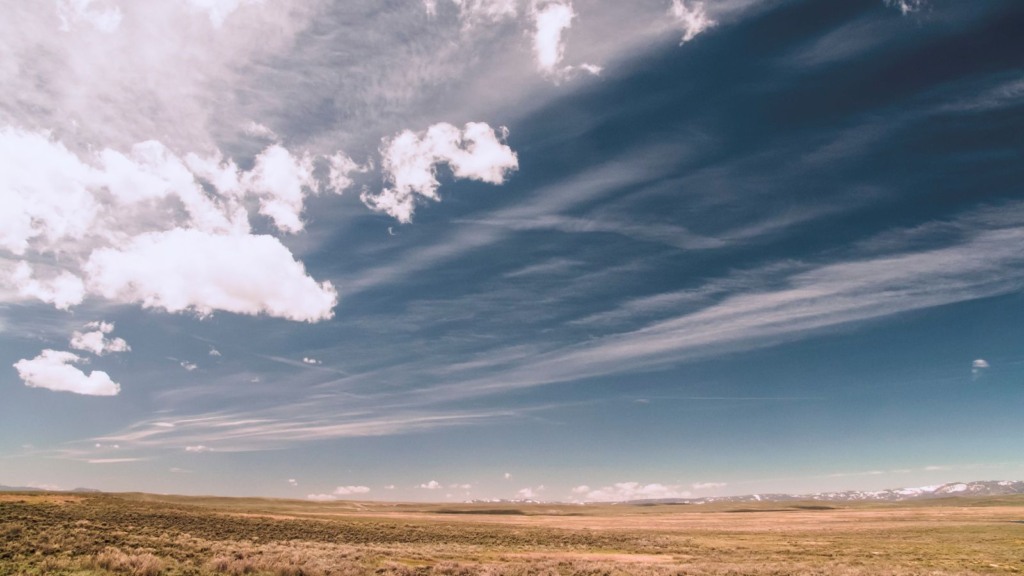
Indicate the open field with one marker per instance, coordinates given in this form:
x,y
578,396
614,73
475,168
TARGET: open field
x,y
94,534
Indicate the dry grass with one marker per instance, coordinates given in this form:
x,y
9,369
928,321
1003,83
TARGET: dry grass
x,y
95,535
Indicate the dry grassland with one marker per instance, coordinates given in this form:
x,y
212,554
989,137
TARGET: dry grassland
x,y
144,535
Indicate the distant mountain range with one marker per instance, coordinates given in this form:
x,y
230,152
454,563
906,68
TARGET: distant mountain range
x,y
19,489
31,489
982,488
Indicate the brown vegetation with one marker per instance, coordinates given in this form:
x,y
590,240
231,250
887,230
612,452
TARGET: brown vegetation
x,y
140,535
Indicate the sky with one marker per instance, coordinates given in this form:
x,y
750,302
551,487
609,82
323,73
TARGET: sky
x,y
563,250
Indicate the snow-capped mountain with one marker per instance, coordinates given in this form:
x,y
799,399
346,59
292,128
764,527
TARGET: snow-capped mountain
x,y
982,488
985,488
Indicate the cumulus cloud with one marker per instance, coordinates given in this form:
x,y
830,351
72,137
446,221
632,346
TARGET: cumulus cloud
x,y
410,159
692,18
339,493
432,485
312,361
978,367
349,490
98,225
551,20
44,189
214,352
53,370
189,270
281,181
530,493
96,340
257,130
63,290
341,166
624,491
188,366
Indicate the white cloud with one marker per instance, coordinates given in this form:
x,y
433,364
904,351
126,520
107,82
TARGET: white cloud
x,y
312,361
340,167
350,490
214,352
708,485
293,482
978,367
508,475
281,182
339,493
460,486
409,161
389,487
432,485
257,130
188,366
906,6
551,21
103,18
693,19
197,448
44,192
624,491
52,370
96,340
64,290
186,269
149,204
530,493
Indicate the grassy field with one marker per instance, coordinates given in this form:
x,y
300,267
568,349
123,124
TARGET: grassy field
x,y
94,534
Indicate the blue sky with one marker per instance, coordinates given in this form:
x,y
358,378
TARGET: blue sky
x,y
560,250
